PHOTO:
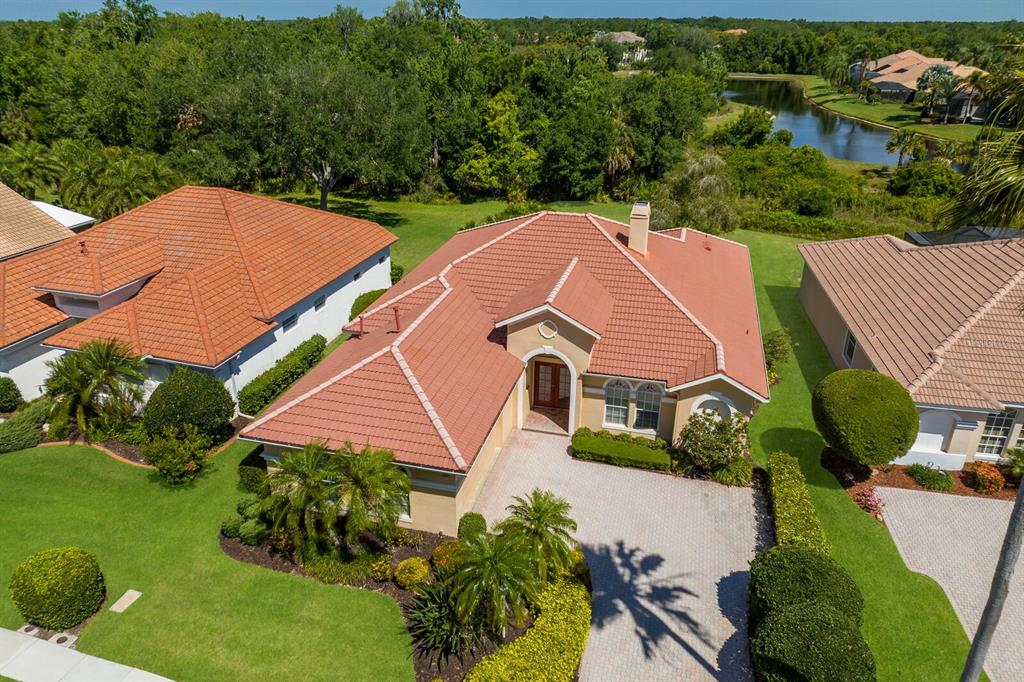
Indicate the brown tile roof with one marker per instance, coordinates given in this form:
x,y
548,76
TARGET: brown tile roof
x,y
24,227
225,263
455,364
945,321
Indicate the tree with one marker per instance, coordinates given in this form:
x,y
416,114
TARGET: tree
x,y
865,416
501,161
372,491
977,86
903,142
926,83
28,167
100,379
496,581
541,520
837,70
946,87
699,194
751,129
304,500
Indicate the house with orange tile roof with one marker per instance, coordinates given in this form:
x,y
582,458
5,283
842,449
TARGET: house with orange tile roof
x,y
945,321
203,277
550,321
896,75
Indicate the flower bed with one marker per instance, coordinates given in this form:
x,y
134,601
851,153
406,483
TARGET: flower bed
x,y
621,450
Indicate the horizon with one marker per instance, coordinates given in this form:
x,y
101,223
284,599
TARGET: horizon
x,y
783,10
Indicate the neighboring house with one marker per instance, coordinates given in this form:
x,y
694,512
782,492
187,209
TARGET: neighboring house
x,y
203,277
947,322
73,220
962,235
565,317
634,46
24,227
896,76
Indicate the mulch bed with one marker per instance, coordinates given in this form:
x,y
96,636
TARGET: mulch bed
x,y
855,477
422,546
134,452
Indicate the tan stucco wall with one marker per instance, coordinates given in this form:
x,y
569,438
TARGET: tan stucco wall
x,y
525,337
964,441
503,427
828,322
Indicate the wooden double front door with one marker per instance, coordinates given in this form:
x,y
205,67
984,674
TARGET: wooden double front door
x,y
551,385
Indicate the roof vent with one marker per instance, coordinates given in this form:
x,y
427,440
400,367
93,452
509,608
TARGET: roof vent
x,y
81,247
639,225
398,320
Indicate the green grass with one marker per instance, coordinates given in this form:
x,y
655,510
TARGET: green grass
x,y
730,113
908,621
202,615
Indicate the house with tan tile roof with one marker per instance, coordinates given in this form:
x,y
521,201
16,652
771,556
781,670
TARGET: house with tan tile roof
x,y
24,226
896,75
550,321
204,277
947,322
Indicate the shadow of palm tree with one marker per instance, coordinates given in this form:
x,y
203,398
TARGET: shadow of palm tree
x,y
625,584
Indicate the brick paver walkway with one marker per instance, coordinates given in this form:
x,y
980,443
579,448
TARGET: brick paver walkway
x,y
669,559
956,541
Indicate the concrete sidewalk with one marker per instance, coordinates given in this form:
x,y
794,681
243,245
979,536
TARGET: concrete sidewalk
x,y
30,659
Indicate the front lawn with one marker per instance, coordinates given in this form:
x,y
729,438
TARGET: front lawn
x,y
908,621
202,615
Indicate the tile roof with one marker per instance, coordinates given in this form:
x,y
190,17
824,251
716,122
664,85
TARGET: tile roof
x,y
23,226
454,360
945,321
225,262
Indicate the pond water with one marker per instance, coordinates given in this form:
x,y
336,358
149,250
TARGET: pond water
x,y
835,136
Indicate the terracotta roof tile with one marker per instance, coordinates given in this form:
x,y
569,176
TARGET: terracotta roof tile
x,y
24,227
95,274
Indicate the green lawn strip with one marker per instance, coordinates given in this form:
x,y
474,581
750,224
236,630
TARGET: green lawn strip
x,y
202,615
908,621
730,113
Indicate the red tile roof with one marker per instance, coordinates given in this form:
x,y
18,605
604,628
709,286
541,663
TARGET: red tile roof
x,y
945,321
225,263
455,363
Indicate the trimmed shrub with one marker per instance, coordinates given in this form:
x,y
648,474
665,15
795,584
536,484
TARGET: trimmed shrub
x,y
785,575
24,429
248,507
711,442
282,541
552,648
472,525
866,416
435,626
265,388
446,557
252,532
622,449
869,500
796,520
1015,462
778,346
810,642
380,569
737,472
397,273
133,434
10,396
178,459
364,301
986,478
189,397
231,526
334,571
252,474
58,588
927,477
412,573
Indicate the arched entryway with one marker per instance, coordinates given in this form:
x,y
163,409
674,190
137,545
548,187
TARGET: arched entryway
x,y
547,392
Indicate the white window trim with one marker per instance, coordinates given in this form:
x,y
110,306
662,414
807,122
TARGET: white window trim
x,y
846,340
714,395
636,402
604,409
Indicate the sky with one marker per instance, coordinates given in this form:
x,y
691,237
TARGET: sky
x,y
837,10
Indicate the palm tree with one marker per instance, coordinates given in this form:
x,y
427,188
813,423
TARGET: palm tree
x,y
541,520
128,180
977,85
836,70
926,83
496,581
903,142
373,491
304,500
946,87
28,166
100,378
952,151
862,56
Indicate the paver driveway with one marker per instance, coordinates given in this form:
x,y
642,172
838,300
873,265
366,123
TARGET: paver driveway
x,y
956,541
669,559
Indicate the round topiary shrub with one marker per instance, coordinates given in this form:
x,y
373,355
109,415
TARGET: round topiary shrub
x,y
248,506
866,416
810,642
412,572
10,396
472,525
252,532
58,588
231,526
786,575
189,397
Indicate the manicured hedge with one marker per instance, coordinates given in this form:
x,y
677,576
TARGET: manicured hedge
x,y
785,575
58,588
189,397
551,649
796,520
265,388
471,525
252,474
622,450
810,642
363,301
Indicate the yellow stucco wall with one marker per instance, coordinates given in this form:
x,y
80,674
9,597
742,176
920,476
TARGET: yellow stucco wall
x,y
828,322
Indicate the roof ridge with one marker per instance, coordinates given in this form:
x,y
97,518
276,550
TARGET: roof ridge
x,y
133,327
719,349
204,328
243,253
395,299
492,242
493,223
562,280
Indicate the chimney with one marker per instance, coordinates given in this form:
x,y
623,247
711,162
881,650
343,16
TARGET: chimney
x,y
639,224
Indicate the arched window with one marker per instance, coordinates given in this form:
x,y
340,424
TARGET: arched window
x,y
616,402
648,407
715,406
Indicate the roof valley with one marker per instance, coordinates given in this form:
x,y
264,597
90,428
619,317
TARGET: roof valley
x,y
243,254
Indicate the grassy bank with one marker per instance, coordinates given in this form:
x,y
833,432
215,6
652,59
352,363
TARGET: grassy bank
x,y
888,114
908,621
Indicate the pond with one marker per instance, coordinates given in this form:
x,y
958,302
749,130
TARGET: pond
x,y
835,136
